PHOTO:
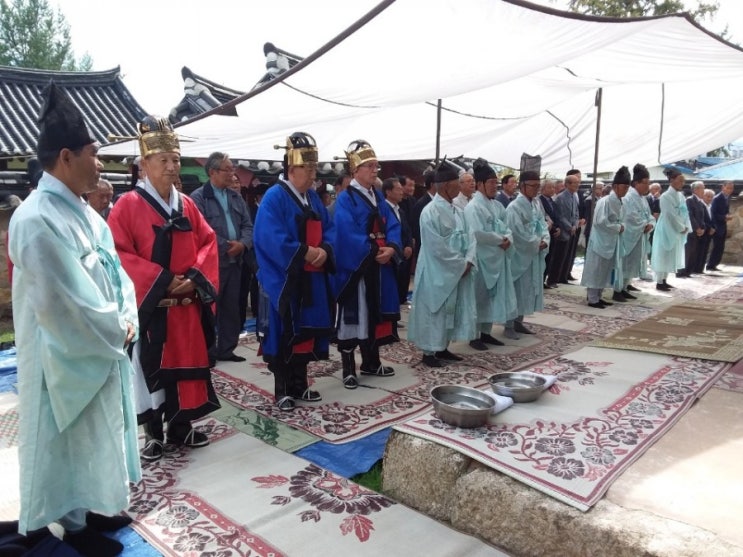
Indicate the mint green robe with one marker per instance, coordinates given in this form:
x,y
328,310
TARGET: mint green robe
x,y
443,301
495,297
604,252
71,302
669,239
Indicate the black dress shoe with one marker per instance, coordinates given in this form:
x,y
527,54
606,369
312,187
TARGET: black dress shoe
x,y
432,361
519,327
571,277
91,542
285,404
618,297
104,523
232,358
628,295
631,288
606,303
489,339
307,395
446,355
597,305
193,439
683,275
663,287
380,370
477,344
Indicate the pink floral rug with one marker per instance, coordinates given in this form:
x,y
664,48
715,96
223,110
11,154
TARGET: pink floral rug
x,y
732,379
240,496
606,408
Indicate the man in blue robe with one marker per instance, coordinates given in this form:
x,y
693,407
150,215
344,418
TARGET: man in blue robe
x,y
294,251
74,312
368,248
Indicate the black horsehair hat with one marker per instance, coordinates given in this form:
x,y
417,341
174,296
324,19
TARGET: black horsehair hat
x,y
445,172
61,124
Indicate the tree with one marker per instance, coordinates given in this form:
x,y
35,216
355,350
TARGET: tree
x,y
33,35
640,8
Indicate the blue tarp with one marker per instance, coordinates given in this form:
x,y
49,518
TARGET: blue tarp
x,y
348,459
8,370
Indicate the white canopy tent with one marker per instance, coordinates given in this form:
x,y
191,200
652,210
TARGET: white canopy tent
x,y
512,77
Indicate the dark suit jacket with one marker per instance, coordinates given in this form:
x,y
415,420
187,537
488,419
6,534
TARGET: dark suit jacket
x,y
654,204
503,198
549,208
720,209
697,213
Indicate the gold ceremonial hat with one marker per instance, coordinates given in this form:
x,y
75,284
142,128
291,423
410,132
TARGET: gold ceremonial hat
x,y
358,153
301,149
156,135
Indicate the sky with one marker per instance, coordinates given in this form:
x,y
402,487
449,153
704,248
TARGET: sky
x,y
222,40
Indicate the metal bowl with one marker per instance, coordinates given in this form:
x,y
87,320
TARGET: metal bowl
x,y
461,406
521,387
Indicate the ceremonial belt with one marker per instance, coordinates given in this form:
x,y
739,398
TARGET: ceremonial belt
x,y
171,302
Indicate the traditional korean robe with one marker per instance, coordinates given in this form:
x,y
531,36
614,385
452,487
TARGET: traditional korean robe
x,y
603,254
529,229
634,241
71,304
298,319
443,301
156,243
670,233
495,297
366,292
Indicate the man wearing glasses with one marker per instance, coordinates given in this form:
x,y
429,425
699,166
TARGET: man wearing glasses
x,y
225,211
368,247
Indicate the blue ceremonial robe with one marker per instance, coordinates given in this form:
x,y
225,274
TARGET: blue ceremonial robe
x,y
297,304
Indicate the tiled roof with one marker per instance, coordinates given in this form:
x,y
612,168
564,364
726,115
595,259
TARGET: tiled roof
x,y
102,97
202,94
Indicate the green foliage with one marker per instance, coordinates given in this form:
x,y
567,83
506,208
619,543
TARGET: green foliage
x,y
640,8
371,479
34,35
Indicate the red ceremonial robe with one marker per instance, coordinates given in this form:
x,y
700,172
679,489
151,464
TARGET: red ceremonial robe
x,y
154,247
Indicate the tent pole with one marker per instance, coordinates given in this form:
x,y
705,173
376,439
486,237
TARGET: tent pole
x,y
599,95
438,130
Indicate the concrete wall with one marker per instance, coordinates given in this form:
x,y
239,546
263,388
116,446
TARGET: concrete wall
x,y
734,245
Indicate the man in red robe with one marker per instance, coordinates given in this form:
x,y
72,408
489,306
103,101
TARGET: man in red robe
x,y
170,252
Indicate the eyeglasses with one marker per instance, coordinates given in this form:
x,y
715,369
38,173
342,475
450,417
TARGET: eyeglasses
x,y
232,170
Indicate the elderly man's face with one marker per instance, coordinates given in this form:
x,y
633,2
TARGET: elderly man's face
x,y
467,184
548,188
100,198
572,183
530,188
162,169
510,187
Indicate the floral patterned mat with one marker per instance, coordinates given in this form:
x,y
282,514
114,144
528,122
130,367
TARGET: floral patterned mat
x,y
240,496
693,330
732,379
606,408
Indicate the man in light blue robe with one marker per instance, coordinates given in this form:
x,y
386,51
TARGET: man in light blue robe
x,y
443,296
634,242
669,238
603,254
531,239
74,313
495,297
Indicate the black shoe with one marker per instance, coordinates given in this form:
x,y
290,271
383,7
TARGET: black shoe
x,y
153,450
668,285
477,344
550,286
597,305
446,355
713,269
571,277
104,523
606,303
563,282
618,297
628,295
232,358
489,339
90,543
432,361
193,439
519,327
631,288
285,404
683,275
350,382
380,370
307,395
663,287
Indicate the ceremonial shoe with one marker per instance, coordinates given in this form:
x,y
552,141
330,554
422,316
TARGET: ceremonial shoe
x,y
307,395
668,285
628,295
89,542
153,450
519,327
477,344
380,370
713,269
489,339
104,523
350,382
631,288
597,305
661,286
683,274
618,297
571,277
232,358
446,355
510,333
285,404
563,282
549,285
432,361
193,439
606,303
